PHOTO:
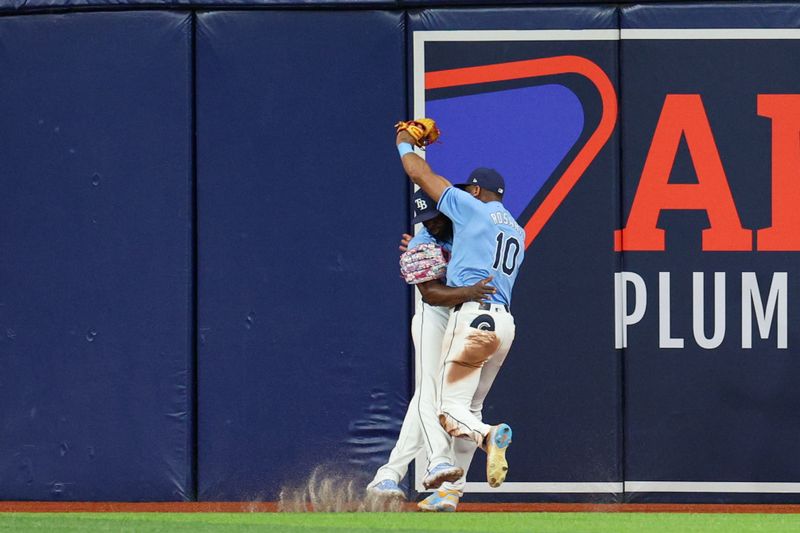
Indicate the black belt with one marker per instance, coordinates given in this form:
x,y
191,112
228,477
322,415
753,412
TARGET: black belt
x,y
484,306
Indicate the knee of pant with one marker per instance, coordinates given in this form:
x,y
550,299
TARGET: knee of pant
x,y
449,424
448,405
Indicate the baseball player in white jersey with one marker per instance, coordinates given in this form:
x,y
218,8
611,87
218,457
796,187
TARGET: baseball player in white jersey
x,y
427,330
487,241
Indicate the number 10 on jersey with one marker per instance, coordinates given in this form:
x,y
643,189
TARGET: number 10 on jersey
x,y
504,256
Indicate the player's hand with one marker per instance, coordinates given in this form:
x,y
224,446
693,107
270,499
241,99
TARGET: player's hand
x,y
404,137
481,291
420,131
404,240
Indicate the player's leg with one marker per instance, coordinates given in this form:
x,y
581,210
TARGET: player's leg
x,y
430,362
497,440
463,450
472,348
492,367
387,478
482,341
441,460
427,330
446,498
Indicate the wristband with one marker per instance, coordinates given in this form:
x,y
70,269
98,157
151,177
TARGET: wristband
x,y
404,148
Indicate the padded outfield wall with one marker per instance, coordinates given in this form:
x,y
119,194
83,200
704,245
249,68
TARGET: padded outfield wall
x,y
199,223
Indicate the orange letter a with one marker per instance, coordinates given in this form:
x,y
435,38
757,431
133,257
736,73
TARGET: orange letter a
x,y
784,234
683,114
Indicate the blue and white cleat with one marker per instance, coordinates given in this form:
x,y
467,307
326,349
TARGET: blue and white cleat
x,y
441,473
388,488
496,444
441,501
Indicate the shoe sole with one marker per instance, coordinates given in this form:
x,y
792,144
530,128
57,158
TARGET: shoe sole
x,y
440,509
438,504
496,463
386,495
451,475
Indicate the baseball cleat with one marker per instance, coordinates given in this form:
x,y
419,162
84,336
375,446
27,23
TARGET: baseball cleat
x,y
388,488
496,443
441,473
441,501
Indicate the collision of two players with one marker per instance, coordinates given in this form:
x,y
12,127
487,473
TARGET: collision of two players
x,y
462,330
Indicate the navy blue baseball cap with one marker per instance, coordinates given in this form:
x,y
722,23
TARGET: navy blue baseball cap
x,y
486,178
424,207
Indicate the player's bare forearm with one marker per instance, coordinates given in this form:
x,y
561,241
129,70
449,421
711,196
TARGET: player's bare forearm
x,y
420,171
437,293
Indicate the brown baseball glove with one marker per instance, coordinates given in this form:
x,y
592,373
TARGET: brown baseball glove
x,y
423,130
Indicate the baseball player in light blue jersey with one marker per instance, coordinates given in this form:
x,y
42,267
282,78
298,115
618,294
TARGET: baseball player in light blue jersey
x,y
427,330
487,241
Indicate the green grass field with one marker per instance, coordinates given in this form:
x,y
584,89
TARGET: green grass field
x,y
403,522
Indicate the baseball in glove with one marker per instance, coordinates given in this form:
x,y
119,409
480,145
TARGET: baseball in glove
x,y
423,130
423,263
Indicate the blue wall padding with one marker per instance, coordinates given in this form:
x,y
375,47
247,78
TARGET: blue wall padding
x,y
560,386
711,15
548,4
520,18
729,413
303,319
95,257
292,351
40,5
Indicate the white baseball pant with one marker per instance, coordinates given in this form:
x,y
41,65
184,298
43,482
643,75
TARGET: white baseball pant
x,y
427,331
474,348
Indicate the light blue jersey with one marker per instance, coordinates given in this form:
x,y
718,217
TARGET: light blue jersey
x,y
487,242
424,237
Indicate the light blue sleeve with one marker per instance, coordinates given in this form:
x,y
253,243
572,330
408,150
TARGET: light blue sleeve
x,y
423,237
458,205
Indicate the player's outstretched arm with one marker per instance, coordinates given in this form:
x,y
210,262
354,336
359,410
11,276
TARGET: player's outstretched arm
x,y
438,294
420,172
